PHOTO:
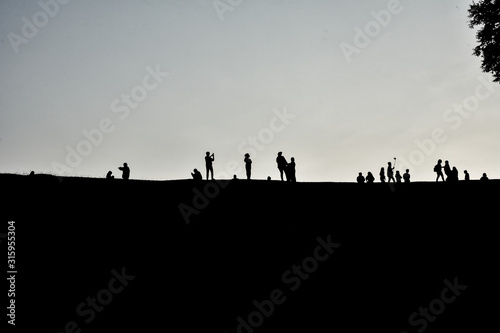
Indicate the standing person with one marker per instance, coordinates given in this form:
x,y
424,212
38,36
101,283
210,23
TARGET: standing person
x,y
208,163
291,171
406,176
438,169
382,175
467,177
447,170
398,177
390,172
248,165
125,171
454,174
282,163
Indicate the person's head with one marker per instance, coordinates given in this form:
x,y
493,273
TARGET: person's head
x,y
484,175
465,171
279,154
292,159
407,170
440,161
268,177
397,172
247,155
208,153
195,170
389,163
360,174
124,164
446,162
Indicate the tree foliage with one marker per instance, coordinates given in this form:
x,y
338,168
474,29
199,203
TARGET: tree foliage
x,y
486,16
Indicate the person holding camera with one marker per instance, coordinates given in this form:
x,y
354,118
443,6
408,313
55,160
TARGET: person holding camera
x,y
125,171
208,163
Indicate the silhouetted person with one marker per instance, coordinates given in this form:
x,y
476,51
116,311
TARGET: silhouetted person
x,y
484,177
466,177
454,175
235,177
282,163
369,178
360,179
109,175
382,175
268,177
32,173
390,172
438,169
447,170
398,177
248,165
291,171
406,176
125,171
196,175
208,163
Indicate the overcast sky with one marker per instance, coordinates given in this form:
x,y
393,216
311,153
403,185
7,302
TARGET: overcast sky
x,y
342,86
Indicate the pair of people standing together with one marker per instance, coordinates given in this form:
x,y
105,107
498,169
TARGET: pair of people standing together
x,y
286,168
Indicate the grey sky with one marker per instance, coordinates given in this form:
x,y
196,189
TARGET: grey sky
x,y
170,80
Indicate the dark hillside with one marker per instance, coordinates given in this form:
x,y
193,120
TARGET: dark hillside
x,y
212,257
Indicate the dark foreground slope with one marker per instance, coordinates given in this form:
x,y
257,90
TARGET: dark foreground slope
x,y
255,256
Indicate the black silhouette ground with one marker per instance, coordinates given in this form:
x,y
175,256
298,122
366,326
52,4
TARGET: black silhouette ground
x,y
397,246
